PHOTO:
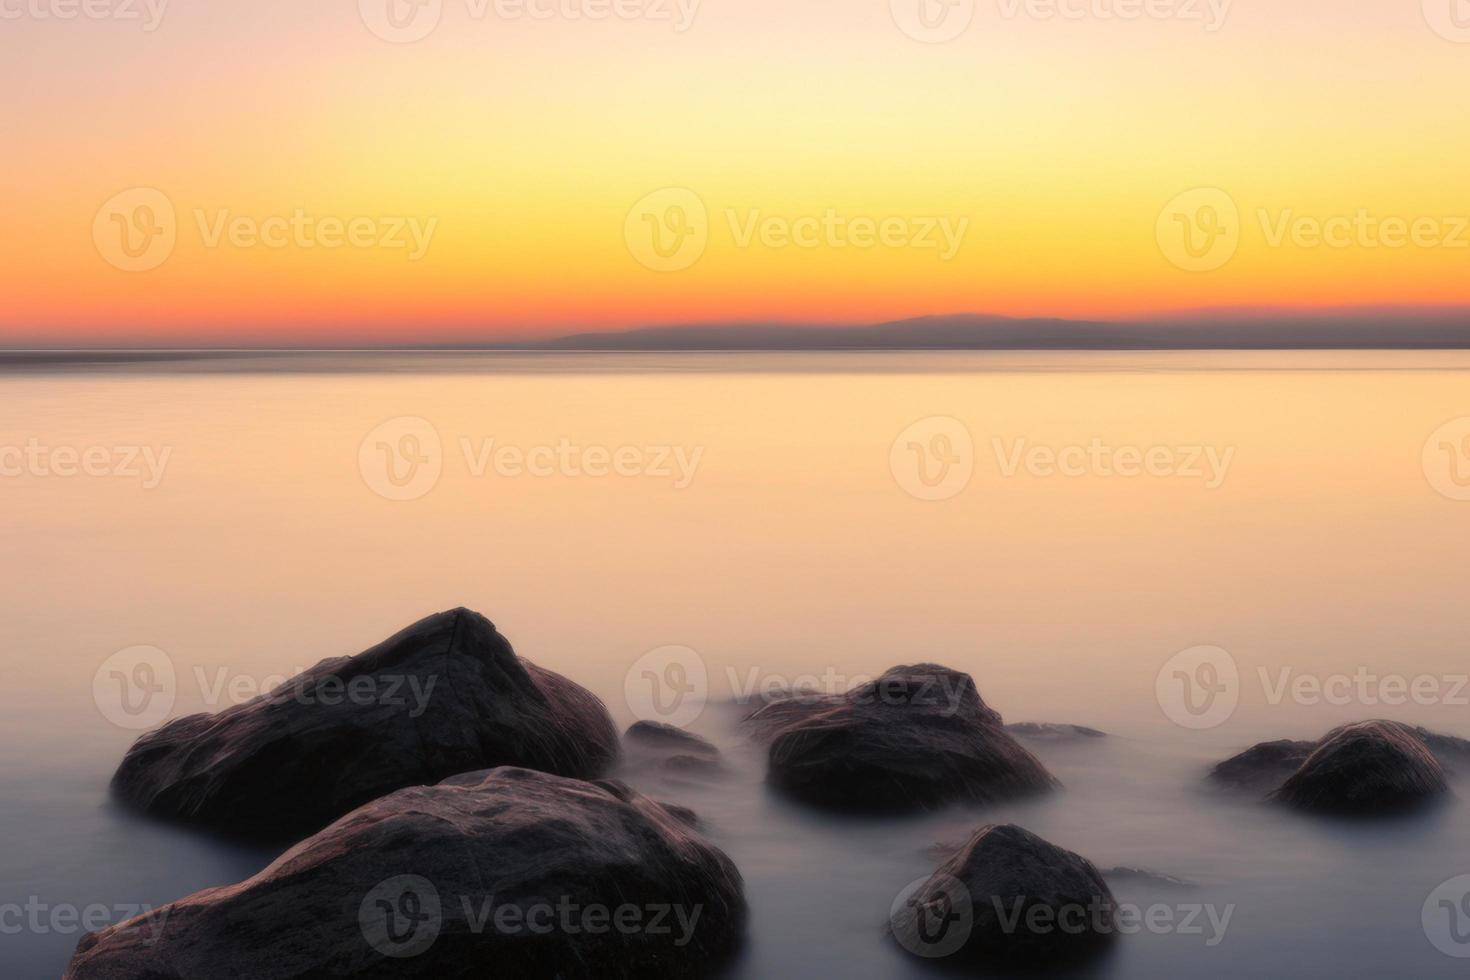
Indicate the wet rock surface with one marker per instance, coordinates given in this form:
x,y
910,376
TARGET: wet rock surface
x,y
444,696
503,873
1008,898
917,737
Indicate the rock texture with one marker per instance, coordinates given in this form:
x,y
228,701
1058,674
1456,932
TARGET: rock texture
x,y
1366,761
1008,898
672,750
444,696
917,737
657,737
1367,768
1263,766
507,873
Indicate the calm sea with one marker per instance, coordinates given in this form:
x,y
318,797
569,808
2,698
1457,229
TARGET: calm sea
x,y
1192,552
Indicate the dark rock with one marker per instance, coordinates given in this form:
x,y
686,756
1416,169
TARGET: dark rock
x,y
917,737
657,736
1009,898
444,696
1263,766
467,879
1366,768
1053,732
766,721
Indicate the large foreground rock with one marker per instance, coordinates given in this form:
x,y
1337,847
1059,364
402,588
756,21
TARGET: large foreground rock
x,y
508,873
446,695
917,737
1008,898
1370,767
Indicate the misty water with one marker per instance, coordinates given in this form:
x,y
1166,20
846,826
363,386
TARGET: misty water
x,y
791,541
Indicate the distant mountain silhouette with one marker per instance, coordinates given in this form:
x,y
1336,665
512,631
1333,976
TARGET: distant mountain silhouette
x,y
1227,330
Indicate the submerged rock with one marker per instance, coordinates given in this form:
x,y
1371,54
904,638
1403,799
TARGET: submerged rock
x,y
507,873
1263,766
652,744
1370,767
916,737
656,736
444,696
1053,732
1008,898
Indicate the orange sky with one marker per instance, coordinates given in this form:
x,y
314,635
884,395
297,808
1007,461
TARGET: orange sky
x,y
280,173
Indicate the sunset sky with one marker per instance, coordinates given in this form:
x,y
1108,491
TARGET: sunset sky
x,y
503,175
